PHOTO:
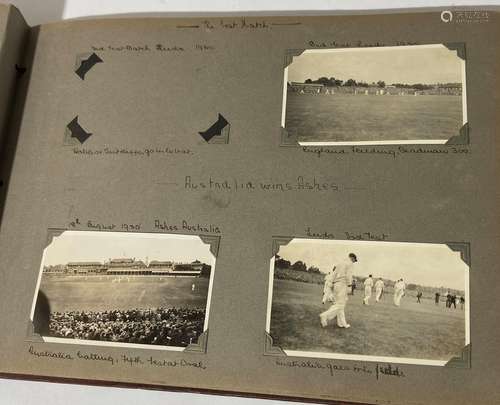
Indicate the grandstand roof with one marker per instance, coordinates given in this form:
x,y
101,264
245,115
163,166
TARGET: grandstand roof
x,y
84,264
161,262
122,260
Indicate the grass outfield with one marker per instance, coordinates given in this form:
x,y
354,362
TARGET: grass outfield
x,y
421,331
100,293
346,117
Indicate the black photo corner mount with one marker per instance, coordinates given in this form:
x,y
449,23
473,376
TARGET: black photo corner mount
x,y
218,132
85,62
290,54
202,343
462,138
463,361
463,248
200,346
213,241
75,134
459,47
31,334
279,241
288,138
51,234
270,349
38,325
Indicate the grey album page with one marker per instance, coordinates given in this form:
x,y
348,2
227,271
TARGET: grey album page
x,y
299,207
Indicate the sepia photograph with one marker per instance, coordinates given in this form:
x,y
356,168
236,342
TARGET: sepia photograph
x,y
120,288
372,301
374,96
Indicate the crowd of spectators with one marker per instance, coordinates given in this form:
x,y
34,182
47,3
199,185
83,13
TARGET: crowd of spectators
x,y
160,326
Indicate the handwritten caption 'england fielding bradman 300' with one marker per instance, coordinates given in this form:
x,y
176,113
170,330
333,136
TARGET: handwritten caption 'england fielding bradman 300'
x,y
391,152
376,370
113,360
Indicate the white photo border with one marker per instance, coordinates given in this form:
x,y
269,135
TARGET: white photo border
x,y
280,241
376,143
57,232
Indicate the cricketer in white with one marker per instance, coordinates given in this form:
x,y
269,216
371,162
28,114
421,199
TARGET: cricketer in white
x,y
335,290
379,287
399,291
368,290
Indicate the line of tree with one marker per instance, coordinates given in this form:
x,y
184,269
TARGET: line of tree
x,y
299,265
333,82
330,82
416,86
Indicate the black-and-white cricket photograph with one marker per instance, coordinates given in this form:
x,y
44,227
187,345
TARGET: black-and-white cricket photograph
x,y
364,300
124,288
380,95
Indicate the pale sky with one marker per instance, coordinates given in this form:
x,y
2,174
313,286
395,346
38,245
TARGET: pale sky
x,y
410,64
78,246
433,265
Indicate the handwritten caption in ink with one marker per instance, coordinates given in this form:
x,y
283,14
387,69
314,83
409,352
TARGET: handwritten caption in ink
x,y
377,370
370,236
113,360
163,225
131,152
299,184
321,151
